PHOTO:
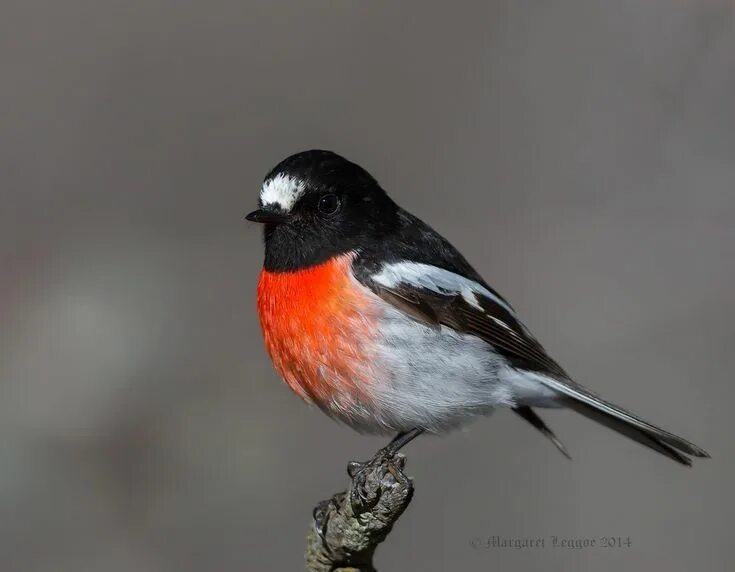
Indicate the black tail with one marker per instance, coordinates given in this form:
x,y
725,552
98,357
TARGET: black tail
x,y
588,404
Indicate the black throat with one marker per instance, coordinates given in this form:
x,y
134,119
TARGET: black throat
x,y
299,244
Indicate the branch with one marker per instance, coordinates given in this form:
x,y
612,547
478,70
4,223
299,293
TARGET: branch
x,y
348,527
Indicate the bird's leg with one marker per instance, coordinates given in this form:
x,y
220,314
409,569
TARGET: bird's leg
x,y
400,441
365,493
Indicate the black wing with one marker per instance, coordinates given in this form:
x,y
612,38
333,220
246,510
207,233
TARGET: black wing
x,y
491,319
479,316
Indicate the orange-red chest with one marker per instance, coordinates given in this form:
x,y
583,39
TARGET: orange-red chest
x,y
317,325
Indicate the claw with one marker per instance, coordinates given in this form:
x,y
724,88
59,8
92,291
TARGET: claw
x,y
394,471
395,467
353,467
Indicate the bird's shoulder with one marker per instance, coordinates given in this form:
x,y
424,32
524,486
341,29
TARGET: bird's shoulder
x,y
413,243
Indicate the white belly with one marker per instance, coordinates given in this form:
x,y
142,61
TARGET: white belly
x,y
436,379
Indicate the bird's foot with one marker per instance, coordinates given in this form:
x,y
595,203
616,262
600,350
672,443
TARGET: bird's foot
x,y
385,469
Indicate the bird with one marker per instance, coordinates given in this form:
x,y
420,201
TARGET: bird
x,y
370,314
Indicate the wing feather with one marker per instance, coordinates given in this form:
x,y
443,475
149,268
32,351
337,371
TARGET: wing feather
x,y
466,306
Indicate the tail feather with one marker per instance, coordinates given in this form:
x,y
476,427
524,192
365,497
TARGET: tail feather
x,y
588,404
631,431
530,415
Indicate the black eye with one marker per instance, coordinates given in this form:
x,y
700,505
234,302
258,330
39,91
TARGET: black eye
x,y
329,204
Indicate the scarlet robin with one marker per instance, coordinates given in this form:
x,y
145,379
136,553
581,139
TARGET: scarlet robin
x,y
370,314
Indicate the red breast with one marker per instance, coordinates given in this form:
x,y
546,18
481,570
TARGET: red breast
x,y
317,324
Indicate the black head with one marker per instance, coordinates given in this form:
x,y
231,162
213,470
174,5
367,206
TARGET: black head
x,y
315,205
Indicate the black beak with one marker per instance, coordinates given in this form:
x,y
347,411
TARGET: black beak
x,y
268,216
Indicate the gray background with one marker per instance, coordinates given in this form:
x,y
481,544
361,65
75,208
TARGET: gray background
x,y
580,153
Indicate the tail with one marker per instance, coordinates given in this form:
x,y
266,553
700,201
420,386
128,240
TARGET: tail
x,y
588,404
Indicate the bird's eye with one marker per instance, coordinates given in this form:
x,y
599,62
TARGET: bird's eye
x,y
329,204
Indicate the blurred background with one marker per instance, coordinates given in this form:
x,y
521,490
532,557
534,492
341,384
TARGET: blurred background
x,y
580,153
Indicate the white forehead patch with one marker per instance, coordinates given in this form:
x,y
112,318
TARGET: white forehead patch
x,y
282,190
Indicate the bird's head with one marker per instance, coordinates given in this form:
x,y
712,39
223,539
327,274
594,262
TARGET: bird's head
x,y
316,205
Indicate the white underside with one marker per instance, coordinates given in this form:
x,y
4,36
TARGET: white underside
x,y
437,379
